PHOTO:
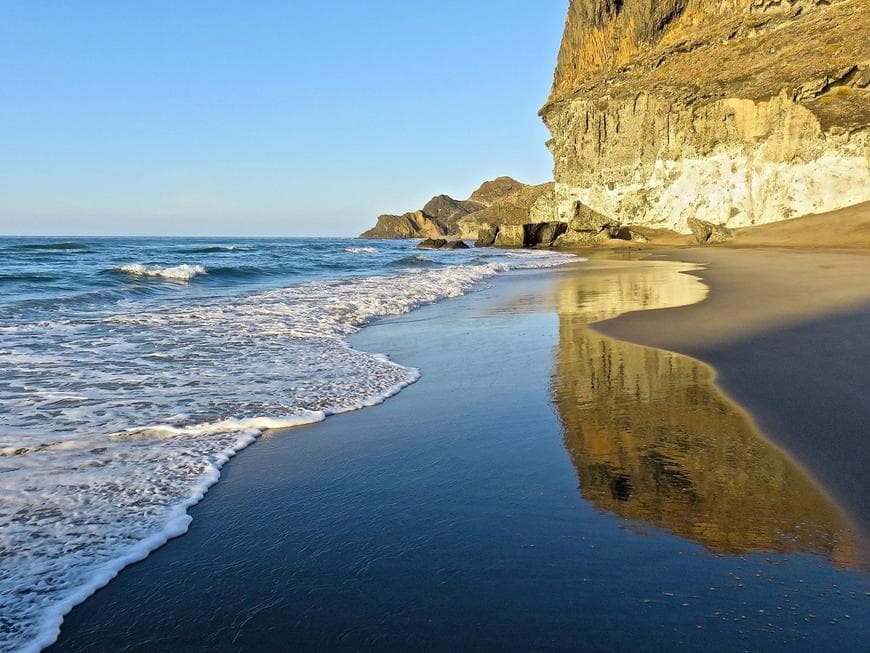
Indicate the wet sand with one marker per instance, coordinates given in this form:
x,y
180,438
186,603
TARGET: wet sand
x,y
788,332
541,487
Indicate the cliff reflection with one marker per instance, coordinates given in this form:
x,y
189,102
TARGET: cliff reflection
x,y
654,440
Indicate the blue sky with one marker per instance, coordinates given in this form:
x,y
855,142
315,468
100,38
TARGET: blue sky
x,y
264,118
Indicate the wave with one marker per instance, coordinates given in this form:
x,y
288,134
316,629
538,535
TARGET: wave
x,y
65,246
361,250
240,271
215,249
414,261
183,272
129,464
18,278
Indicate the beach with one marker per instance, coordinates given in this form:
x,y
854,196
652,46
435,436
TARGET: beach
x,y
786,332
545,485
312,338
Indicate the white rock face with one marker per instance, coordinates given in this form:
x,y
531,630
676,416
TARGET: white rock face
x,y
734,162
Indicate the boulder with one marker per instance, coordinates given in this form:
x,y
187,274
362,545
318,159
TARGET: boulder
x,y
584,218
432,243
486,234
707,233
455,244
510,235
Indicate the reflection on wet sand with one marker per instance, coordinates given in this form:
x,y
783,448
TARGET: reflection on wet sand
x,y
654,440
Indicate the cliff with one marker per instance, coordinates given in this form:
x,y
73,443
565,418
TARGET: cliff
x,y
502,200
738,112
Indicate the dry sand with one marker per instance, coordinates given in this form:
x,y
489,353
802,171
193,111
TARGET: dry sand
x,y
847,228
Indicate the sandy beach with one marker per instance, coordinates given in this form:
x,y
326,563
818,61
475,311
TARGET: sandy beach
x,y
786,332
550,335
542,485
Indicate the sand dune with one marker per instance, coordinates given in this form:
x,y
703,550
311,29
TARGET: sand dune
x,y
843,228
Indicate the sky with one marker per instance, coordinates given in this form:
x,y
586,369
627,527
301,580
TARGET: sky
x,y
302,117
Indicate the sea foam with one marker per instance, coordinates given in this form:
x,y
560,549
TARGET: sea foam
x,y
183,272
147,403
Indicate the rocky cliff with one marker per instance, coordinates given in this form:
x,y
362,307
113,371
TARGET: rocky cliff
x,y
738,112
503,200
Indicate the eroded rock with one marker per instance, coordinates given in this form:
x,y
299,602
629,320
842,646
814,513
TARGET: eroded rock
x,y
486,234
542,233
414,224
510,235
707,233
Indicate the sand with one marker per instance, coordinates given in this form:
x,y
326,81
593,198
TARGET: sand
x,y
787,332
847,228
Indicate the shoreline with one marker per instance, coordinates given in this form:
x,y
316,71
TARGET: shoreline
x,y
512,303
771,317
79,533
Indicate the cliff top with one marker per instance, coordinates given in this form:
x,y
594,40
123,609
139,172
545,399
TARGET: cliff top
x,y
700,51
495,189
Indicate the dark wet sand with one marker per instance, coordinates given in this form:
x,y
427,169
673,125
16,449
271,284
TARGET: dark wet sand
x,y
788,332
541,487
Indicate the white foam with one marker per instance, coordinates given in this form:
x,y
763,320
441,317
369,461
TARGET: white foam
x,y
361,250
146,406
183,272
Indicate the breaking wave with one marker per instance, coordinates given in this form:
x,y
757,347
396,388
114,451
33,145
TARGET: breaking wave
x,y
183,272
130,412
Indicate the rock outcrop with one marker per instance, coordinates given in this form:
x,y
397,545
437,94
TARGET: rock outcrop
x,y
510,235
486,234
431,243
414,224
517,205
448,211
735,112
503,200
707,233
441,243
455,244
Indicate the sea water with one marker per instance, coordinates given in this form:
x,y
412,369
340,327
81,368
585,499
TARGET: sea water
x,y
132,369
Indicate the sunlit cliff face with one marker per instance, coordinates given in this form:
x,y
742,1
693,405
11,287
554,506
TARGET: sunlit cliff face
x,y
740,112
655,441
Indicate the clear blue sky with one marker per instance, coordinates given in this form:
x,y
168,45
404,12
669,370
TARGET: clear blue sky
x,y
296,117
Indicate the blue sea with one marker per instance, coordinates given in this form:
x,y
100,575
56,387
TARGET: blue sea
x,y
132,369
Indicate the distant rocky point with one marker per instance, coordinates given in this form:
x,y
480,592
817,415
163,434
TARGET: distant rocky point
x,y
503,212
503,199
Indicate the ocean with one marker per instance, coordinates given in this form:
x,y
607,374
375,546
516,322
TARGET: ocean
x,y
132,369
